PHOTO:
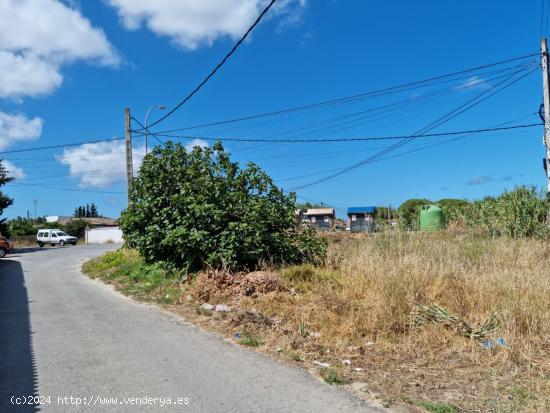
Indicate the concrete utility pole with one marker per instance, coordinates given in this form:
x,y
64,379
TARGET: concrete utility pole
x,y
128,138
546,95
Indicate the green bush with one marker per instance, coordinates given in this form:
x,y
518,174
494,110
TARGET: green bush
x,y
197,209
22,226
454,210
75,227
519,213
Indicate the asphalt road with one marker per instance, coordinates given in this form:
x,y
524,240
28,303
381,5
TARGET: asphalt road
x,y
63,335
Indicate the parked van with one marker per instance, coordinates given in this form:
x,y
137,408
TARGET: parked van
x,y
54,237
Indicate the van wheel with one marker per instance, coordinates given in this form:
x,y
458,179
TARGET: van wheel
x,y
40,244
2,252
61,243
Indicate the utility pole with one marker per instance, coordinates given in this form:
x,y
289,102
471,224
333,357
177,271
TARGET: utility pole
x,y
546,102
128,139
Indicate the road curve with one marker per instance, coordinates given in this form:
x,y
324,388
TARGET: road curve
x,y
63,335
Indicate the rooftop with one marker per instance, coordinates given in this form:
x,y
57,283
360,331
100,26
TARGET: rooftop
x,y
320,211
362,210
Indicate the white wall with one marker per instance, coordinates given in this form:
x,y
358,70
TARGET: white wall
x,y
103,235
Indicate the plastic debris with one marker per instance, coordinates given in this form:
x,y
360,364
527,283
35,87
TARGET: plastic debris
x,y
223,308
237,335
358,369
321,364
488,343
314,334
501,342
346,362
207,307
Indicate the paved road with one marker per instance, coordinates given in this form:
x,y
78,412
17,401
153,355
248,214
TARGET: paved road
x,y
62,334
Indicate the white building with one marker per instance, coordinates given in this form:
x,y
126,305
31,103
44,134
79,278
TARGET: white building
x,y
103,235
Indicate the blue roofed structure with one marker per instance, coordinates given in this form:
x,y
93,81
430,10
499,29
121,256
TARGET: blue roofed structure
x,y
361,210
361,219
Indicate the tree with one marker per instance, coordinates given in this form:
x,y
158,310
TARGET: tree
x,y
93,211
5,201
87,211
197,209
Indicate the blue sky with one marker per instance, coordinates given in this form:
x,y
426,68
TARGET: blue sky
x,y
70,80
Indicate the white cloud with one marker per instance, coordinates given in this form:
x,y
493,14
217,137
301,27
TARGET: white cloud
x,y
38,37
13,171
99,164
17,127
104,163
201,143
192,23
473,82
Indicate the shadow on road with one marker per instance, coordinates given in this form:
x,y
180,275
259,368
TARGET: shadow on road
x,y
17,367
26,250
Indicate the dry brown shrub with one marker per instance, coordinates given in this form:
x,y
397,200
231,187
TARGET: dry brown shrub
x,y
215,284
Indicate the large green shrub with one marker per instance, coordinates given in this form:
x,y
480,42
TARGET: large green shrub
x,y
522,212
193,209
454,210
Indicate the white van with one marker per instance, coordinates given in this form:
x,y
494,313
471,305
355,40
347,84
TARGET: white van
x,y
54,237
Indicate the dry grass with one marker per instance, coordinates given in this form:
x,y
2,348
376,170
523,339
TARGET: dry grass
x,y
370,288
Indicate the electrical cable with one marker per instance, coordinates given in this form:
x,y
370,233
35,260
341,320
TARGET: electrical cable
x,y
217,67
445,118
341,99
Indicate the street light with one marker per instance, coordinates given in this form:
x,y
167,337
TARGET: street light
x,y
160,107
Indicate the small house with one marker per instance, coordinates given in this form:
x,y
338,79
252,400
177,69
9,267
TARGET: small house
x,y
361,219
320,218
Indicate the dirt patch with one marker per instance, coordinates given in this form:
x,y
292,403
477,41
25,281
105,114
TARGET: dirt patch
x,y
221,284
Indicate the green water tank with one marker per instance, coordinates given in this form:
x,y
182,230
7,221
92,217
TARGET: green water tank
x,y
431,218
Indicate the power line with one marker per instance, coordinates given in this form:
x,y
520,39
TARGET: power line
x,y
342,99
352,120
408,152
340,140
41,148
69,189
149,133
445,118
218,66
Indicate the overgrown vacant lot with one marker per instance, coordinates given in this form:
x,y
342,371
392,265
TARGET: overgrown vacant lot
x,y
364,305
